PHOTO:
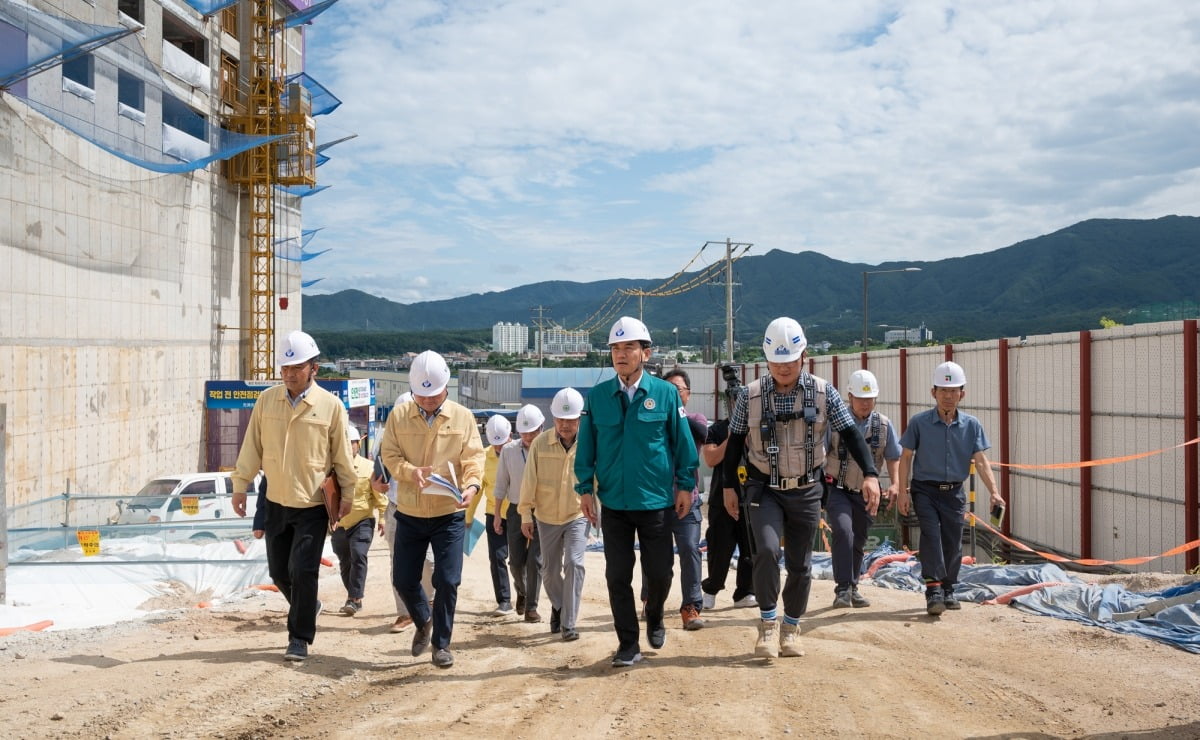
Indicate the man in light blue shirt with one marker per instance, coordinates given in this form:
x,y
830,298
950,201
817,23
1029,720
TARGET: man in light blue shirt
x,y
939,446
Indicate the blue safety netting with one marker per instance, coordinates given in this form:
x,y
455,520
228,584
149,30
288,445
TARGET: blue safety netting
x,y
321,159
309,283
301,191
322,100
294,249
148,126
297,17
208,7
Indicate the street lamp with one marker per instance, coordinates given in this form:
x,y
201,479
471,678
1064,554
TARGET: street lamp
x,y
876,272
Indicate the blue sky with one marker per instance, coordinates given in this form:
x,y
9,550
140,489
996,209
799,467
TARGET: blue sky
x,y
506,143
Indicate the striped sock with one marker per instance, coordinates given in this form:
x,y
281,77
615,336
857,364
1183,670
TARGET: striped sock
x,y
768,616
792,621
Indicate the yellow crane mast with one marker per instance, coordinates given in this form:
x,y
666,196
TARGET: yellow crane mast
x,y
289,161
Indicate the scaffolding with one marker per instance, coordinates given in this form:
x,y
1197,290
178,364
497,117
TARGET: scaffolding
x,y
271,109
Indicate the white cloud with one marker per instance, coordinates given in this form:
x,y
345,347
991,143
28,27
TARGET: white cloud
x,y
523,141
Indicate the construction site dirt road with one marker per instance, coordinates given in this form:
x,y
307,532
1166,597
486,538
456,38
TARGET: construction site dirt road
x,y
884,671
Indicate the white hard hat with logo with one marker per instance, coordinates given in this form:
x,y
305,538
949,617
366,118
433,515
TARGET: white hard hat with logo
x,y
296,348
628,329
498,430
949,375
863,384
530,419
352,433
784,340
567,404
429,374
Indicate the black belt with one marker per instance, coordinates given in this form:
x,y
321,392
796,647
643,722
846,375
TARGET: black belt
x,y
941,485
786,484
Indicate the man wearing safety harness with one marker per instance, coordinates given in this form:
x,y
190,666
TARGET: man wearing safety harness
x,y
849,516
779,423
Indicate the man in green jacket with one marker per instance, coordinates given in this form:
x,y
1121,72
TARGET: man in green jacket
x,y
636,455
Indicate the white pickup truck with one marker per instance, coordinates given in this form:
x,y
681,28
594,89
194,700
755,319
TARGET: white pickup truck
x,y
194,505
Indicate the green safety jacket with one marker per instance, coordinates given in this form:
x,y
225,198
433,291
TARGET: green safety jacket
x,y
634,455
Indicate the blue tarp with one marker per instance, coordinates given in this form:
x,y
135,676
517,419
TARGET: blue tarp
x,y
304,16
1075,600
122,65
301,191
208,7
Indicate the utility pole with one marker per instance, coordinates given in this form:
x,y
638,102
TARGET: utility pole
x,y
729,245
728,300
539,321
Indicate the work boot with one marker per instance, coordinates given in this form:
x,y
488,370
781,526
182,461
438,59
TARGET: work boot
x,y
934,603
857,600
949,599
691,617
767,645
841,598
789,641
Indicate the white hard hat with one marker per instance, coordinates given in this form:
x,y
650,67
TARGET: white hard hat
x,y
863,384
628,329
352,433
784,340
498,430
530,419
429,374
296,348
567,404
404,397
949,375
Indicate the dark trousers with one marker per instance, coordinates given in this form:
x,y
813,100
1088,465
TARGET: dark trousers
x,y
498,560
723,535
653,532
850,522
295,540
351,547
792,516
415,535
524,559
941,516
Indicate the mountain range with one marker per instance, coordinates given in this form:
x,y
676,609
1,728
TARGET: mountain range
x,y
1127,270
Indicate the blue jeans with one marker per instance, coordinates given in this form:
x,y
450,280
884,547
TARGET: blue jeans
x,y
413,536
686,532
941,516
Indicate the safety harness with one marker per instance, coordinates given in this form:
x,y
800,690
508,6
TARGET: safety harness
x,y
807,414
874,441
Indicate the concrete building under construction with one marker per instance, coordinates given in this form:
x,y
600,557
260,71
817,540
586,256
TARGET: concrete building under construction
x,y
154,158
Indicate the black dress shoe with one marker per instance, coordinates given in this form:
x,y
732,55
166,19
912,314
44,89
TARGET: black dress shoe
x,y
555,620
